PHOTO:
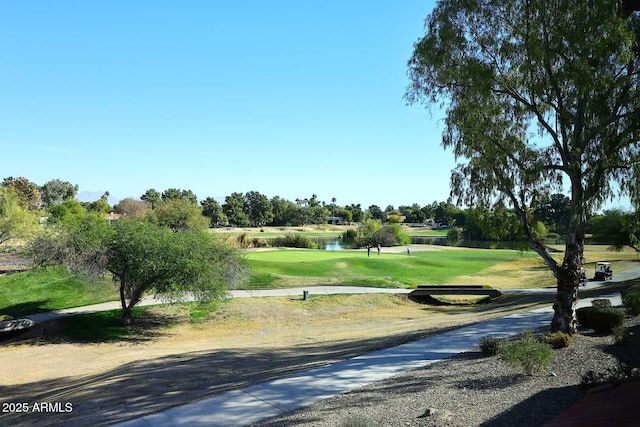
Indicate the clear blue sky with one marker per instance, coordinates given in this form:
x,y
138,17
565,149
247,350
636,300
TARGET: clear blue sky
x,y
287,98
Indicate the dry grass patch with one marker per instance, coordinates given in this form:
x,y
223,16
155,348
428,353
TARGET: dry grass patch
x,y
528,273
524,273
245,341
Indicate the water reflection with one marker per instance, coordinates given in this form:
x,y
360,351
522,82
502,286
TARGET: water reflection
x,y
329,244
335,243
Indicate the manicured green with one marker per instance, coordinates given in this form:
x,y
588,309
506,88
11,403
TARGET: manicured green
x,y
53,288
280,268
49,289
426,233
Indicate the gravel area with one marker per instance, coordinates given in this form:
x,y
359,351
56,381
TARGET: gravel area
x,y
473,390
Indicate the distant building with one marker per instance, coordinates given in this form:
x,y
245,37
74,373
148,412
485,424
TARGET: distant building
x,y
335,220
112,216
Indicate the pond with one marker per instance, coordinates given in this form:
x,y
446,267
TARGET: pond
x,y
329,243
335,243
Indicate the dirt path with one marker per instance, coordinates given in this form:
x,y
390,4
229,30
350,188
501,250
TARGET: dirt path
x,y
244,343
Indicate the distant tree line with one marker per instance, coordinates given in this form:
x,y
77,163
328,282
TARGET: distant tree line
x,y
179,209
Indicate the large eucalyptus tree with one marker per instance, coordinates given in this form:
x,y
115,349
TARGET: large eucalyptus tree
x,y
541,96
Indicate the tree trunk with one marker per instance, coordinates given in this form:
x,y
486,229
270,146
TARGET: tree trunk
x,y
569,278
135,296
126,309
566,297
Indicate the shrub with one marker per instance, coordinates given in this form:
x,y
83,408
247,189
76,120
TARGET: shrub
x,y
619,334
390,235
349,237
372,232
526,352
582,314
558,339
295,240
455,233
631,300
258,242
489,345
600,319
602,302
620,372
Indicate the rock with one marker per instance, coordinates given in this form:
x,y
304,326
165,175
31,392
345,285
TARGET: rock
x,y
429,413
15,325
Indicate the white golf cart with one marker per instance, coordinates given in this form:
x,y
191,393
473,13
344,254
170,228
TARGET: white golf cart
x,y
603,271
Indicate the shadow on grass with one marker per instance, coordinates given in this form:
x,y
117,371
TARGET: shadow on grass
x,y
107,326
24,308
94,328
149,385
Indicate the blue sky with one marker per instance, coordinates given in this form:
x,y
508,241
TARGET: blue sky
x,y
287,98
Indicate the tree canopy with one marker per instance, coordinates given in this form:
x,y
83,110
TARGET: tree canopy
x,y
16,221
57,191
540,96
131,208
179,214
616,228
212,210
142,257
28,192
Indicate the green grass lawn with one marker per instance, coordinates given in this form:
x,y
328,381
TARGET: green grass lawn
x,y
52,289
38,291
285,268
425,232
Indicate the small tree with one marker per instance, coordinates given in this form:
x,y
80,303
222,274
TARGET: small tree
x,y
28,192
616,228
372,232
376,212
179,214
100,206
285,212
143,258
212,210
152,197
57,191
15,220
233,208
258,208
131,208
66,211
77,242
178,194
